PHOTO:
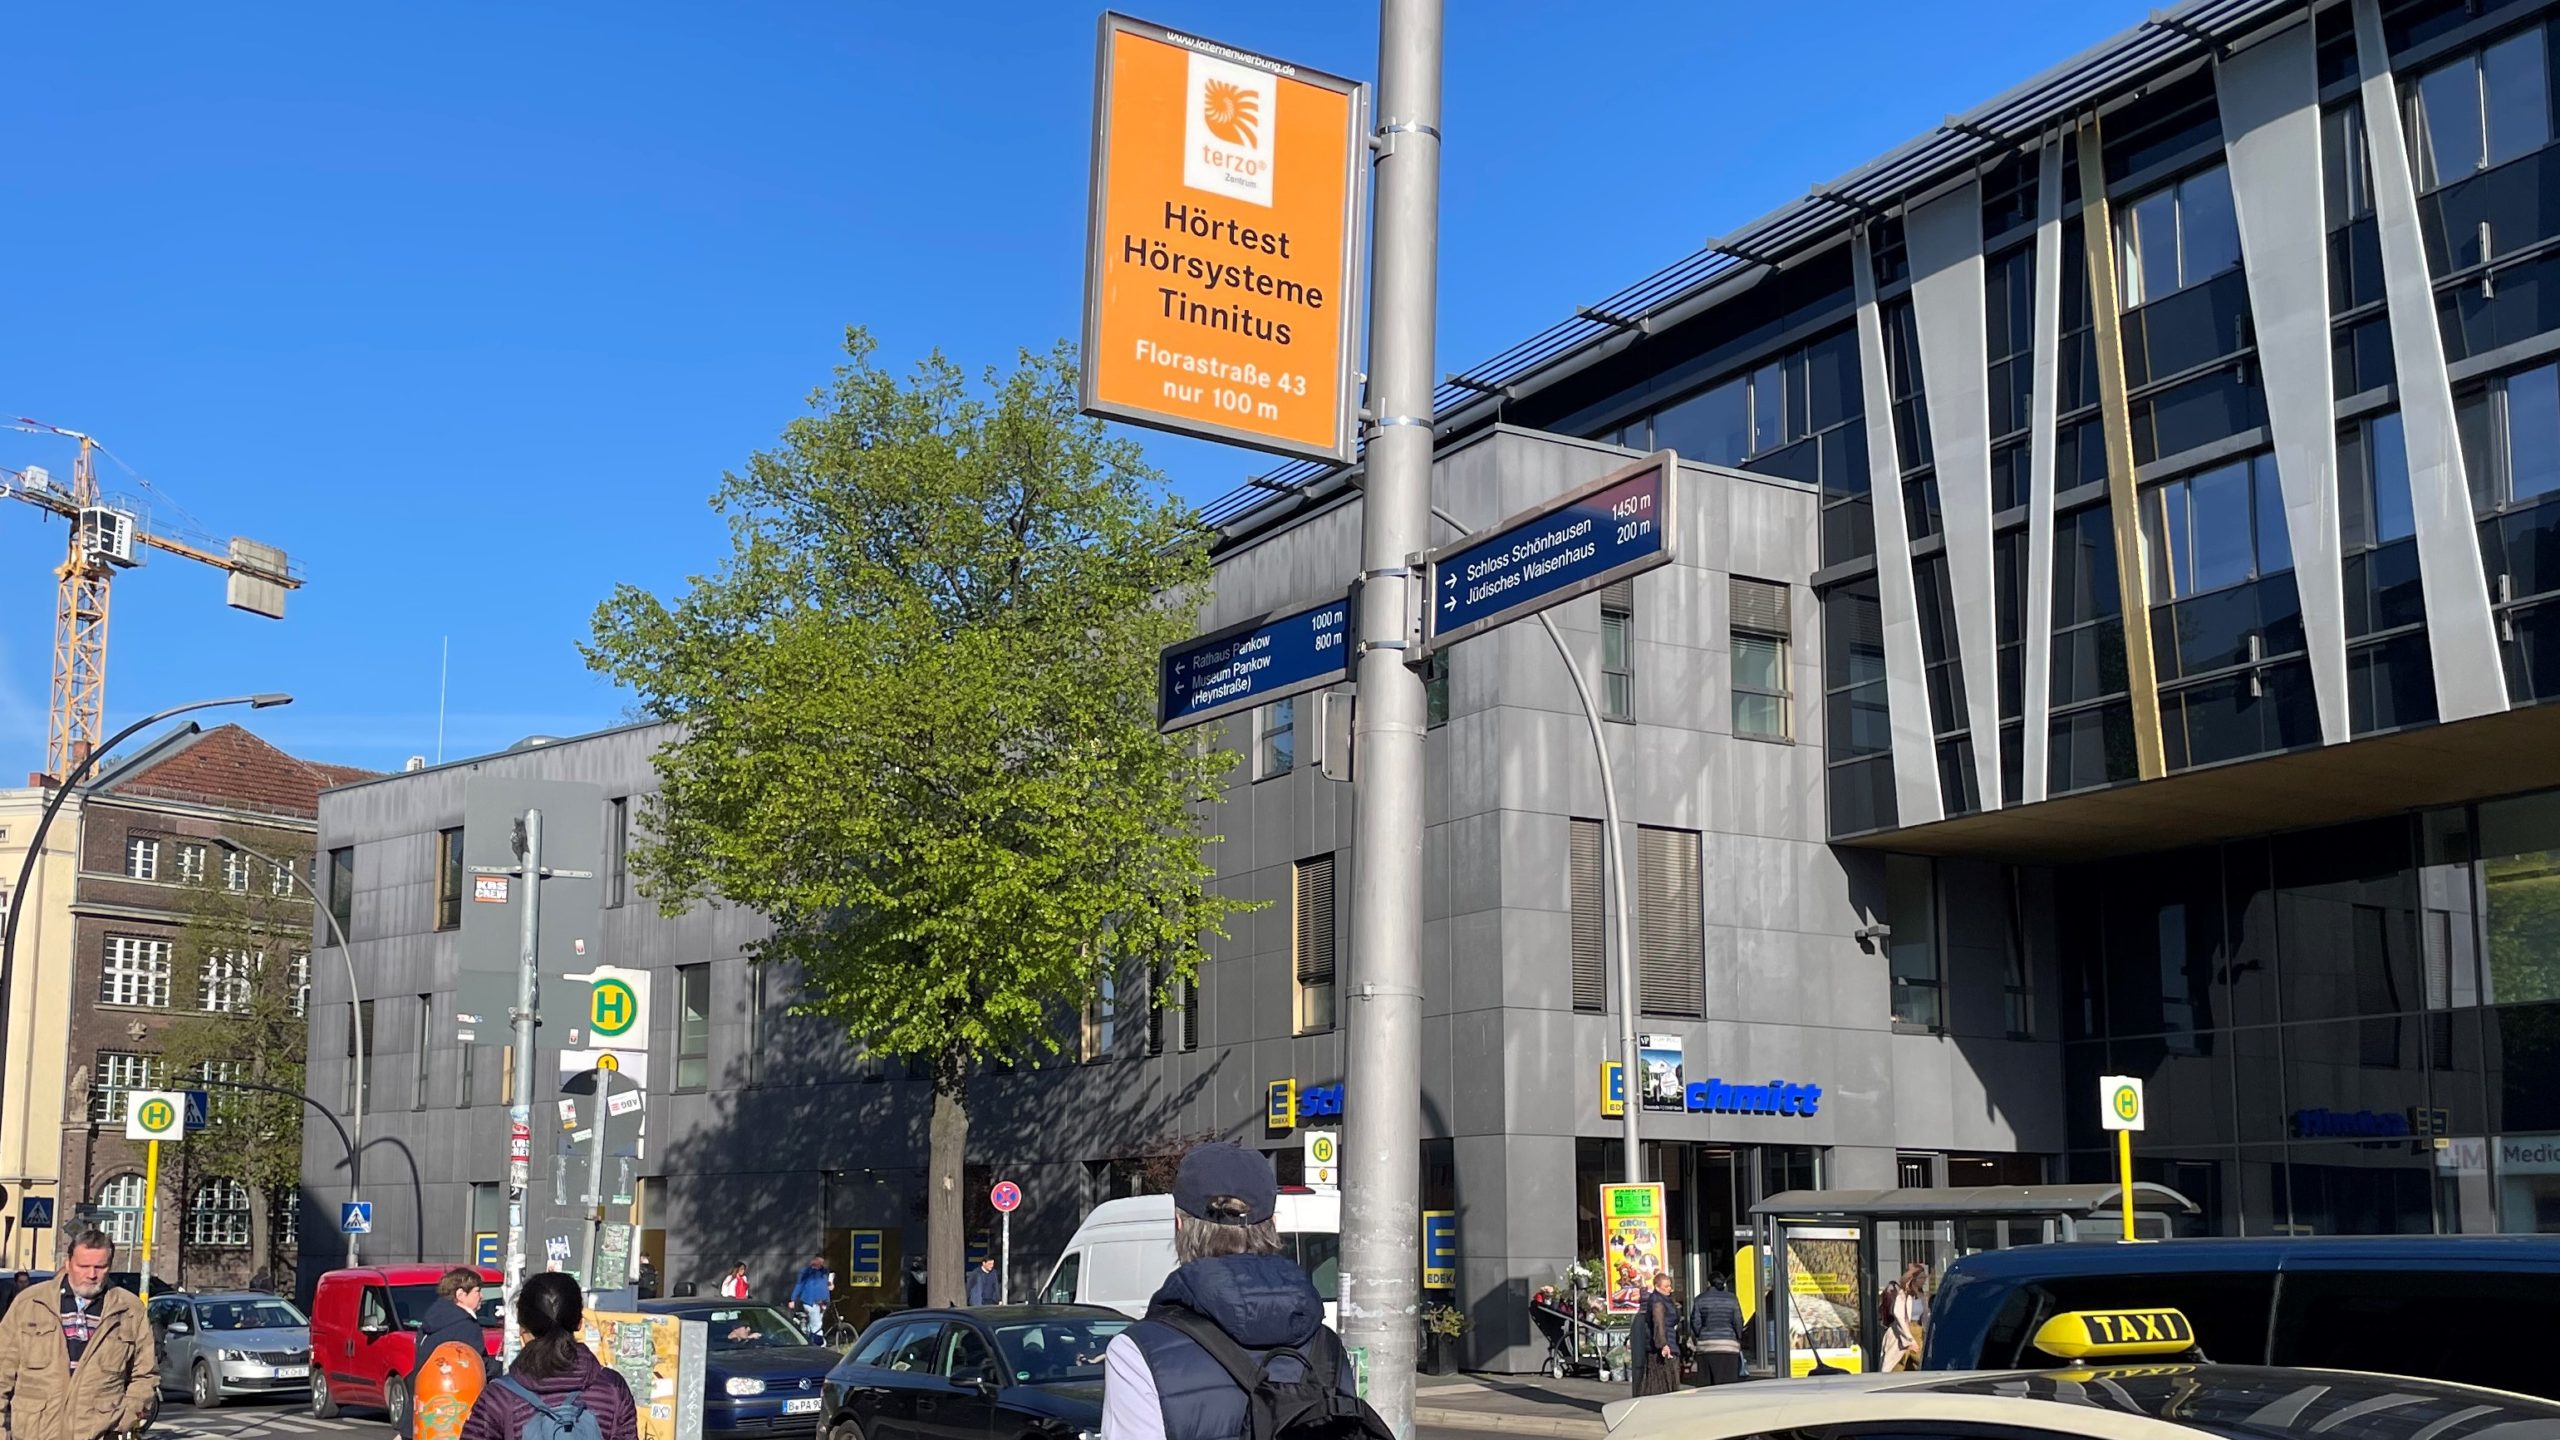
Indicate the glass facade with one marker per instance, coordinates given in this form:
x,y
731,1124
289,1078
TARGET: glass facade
x,y
2350,1030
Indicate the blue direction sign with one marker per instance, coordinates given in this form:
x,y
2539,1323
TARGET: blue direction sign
x,y
1619,525
1264,659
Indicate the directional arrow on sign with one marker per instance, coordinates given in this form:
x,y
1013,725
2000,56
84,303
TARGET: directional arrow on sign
x,y
1617,526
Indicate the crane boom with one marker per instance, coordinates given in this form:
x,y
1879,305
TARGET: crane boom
x,y
103,538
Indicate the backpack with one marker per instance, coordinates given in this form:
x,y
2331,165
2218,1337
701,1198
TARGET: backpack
x,y
572,1421
1311,1407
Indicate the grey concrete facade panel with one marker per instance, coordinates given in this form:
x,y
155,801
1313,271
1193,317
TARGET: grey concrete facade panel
x,y
2461,637
2270,96
1915,766
1945,237
2035,688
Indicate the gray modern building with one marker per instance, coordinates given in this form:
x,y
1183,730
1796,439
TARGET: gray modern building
x,y
2111,633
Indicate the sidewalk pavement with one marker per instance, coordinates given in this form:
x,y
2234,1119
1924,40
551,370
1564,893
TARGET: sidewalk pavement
x,y
1515,1404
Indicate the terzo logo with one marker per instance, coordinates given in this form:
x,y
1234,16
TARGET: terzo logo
x,y
1231,112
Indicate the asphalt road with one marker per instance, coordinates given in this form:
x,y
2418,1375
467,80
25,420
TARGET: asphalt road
x,y
261,1419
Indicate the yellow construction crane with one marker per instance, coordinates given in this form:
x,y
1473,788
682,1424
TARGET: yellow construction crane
x,y
108,534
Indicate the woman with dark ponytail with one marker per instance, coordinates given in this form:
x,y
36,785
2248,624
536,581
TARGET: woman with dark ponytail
x,y
556,1389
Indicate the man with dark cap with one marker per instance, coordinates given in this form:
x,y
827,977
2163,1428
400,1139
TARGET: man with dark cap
x,y
1234,1316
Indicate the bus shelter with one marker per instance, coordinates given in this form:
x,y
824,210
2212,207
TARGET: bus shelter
x,y
1824,1255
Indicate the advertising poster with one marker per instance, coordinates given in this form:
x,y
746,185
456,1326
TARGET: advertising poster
x,y
1664,1086
1821,1299
1634,1243
661,1358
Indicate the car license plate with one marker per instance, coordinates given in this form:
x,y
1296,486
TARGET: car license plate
x,y
293,1372
805,1406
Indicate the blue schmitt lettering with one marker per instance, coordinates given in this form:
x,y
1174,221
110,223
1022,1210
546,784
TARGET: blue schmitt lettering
x,y
1776,1097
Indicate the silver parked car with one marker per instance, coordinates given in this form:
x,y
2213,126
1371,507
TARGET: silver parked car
x,y
240,1342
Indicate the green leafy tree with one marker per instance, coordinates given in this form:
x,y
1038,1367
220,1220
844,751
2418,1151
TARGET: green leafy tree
x,y
916,724
239,981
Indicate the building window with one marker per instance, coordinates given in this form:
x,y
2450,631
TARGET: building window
x,y
1911,913
119,1072
218,1215
136,972
2179,235
223,1101
1275,750
1590,866
1759,624
190,863
617,848
2091,732
1174,1024
1311,942
1101,1019
2219,528
467,1067
2017,980
298,975
2480,111
1671,949
757,975
426,1049
1857,733
342,886
235,872
120,1209
359,1090
693,1027
449,882
279,880
1435,690
1617,668
141,857
224,981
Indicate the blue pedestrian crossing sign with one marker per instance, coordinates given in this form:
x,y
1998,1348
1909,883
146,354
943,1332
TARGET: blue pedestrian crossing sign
x,y
355,1217
199,1103
35,1212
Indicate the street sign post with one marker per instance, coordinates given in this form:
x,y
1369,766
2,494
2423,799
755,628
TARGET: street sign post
x,y
1618,525
355,1217
1223,246
153,1116
1269,657
35,1212
1007,1198
1323,1160
2120,1110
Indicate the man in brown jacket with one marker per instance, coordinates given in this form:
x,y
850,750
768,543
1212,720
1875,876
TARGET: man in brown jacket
x,y
77,1361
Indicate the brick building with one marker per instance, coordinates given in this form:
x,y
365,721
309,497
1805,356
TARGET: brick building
x,y
151,857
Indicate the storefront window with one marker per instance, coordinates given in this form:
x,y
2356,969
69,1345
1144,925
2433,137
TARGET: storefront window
x,y
2520,886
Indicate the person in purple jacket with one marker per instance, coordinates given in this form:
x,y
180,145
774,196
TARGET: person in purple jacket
x,y
555,1380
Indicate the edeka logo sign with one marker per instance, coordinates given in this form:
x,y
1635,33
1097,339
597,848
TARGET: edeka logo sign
x,y
1232,130
1772,1097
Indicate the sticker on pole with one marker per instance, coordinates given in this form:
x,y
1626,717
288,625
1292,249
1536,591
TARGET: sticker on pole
x,y
1006,1197
156,1115
2121,1097
488,889
1222,248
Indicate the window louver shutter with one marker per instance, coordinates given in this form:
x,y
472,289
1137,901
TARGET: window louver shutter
x,y
1155,1011
1620,596
1590,915
1761,607
1191,1013
1671,949
1315,921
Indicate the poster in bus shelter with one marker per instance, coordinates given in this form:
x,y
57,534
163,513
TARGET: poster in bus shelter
x,y
661,1358
1634,1244
1821,1300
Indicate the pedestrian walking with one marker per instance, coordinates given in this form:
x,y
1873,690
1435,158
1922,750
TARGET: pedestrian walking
x,y
645,1284
557,1389
812,1291
733,1286
1902,1307
1655,1342
1715,1332
1210,1352
454,1318
77,1358
984,1287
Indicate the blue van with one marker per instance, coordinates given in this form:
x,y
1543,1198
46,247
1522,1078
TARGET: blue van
x,y
2477,1309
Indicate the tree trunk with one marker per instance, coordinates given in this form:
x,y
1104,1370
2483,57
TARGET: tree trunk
x,y
946,1249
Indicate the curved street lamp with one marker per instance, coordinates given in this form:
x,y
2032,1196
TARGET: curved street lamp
x,y
354,1133
35,842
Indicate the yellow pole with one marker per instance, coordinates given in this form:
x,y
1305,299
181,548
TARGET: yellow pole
x,y
150,1208
2124,1166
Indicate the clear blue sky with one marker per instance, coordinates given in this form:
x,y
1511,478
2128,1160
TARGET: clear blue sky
x,y
467,306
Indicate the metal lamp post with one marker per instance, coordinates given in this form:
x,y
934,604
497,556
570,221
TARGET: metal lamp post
x,y
35,843
355,997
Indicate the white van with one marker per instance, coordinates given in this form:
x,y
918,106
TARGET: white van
x,y
1124,1249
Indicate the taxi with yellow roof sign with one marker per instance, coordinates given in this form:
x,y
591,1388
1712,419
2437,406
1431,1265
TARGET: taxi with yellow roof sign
x,y
2136,1374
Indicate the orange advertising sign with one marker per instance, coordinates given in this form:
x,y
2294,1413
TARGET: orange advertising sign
x,y
1222,259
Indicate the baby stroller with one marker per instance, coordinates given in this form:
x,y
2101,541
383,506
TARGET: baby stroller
x,y
1577,1344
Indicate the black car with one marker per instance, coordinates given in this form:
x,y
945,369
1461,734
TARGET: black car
x,y
1005,1372
761,1374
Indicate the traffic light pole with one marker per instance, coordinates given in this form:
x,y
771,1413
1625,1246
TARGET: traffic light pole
x,y
1382,1039
521,1104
